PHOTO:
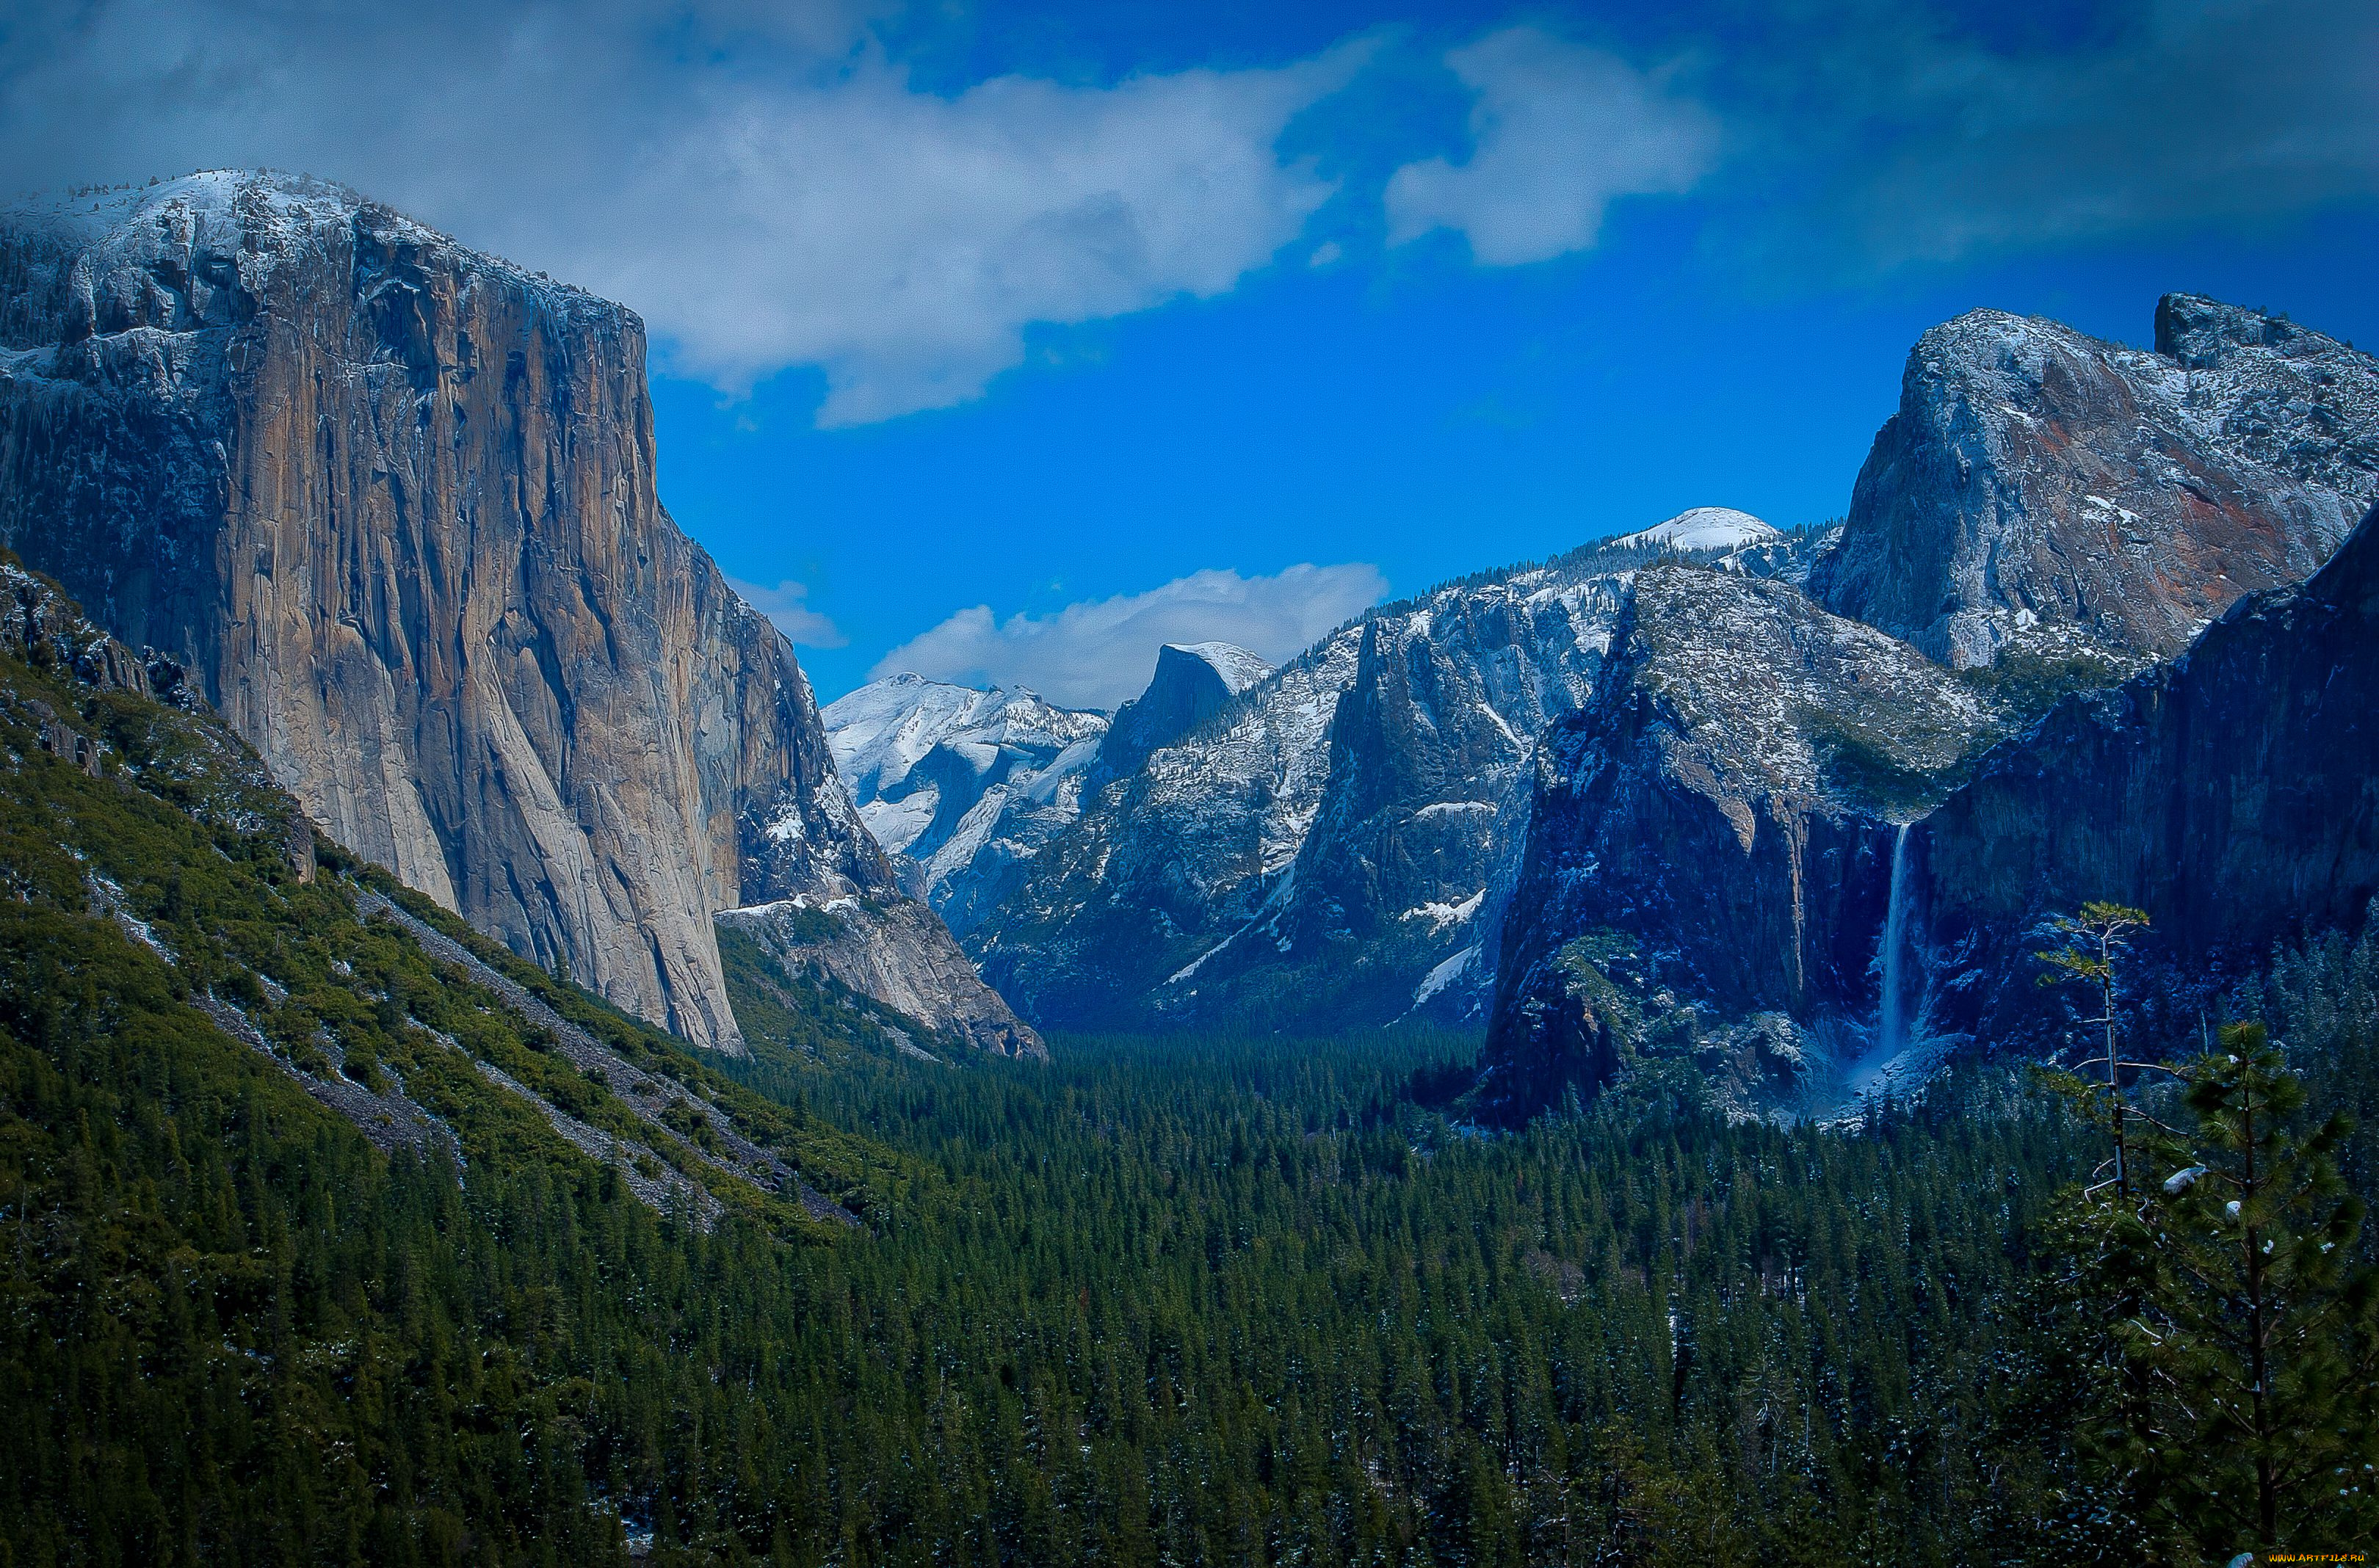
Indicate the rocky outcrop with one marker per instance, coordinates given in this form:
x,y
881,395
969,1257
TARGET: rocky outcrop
x,y
391,503
2233,794
1192,683
1331,847
963,788
896,952
1709,850
2043,493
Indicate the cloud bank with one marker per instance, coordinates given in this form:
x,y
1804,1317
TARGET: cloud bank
x,y
773,188
1561,131
766,187
1924,144
1099,652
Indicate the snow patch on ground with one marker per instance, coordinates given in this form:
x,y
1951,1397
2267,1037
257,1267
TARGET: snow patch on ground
x,y
1446,973
1441,915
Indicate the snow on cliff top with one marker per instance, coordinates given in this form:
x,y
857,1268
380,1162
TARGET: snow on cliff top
x,y
253,217
1703,527
1238,667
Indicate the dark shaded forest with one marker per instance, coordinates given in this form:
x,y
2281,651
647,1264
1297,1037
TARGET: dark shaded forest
x,y
1187,1300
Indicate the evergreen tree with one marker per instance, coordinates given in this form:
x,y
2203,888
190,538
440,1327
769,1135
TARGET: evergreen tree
x,y
2243,1411
2094,940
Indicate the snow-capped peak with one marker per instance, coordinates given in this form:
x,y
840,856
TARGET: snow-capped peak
x,y
1703,527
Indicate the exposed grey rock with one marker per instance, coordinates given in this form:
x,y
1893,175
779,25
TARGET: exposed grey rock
x,y
896,951
391,503
2233,794
1328,848
961,788
2043,492
1710,836
1192,683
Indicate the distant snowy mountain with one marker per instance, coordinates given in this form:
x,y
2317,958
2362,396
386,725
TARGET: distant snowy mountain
x,y
1329,846
962,786
1703,527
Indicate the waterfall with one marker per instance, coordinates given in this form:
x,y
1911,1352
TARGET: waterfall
x,y
1891,1022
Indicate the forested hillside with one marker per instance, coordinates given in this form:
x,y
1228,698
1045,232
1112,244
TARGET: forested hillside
x,y
320,1242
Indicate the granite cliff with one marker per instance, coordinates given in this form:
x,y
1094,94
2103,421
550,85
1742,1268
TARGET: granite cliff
x,y
1784,844
2232,793
1330,846
391,503
1707,858
2046,493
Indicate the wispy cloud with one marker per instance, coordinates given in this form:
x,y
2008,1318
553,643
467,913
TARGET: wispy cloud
x,y
787,604
1560,132
1099,652
769,191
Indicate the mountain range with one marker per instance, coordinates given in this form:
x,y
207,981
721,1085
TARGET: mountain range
x,y
1779,801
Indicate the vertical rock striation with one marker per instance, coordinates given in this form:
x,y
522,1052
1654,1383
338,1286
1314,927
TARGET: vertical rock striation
x,y
1711,833
2232,793
392,502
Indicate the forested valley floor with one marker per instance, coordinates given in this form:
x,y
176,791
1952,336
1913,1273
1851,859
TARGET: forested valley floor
x,y
1183,1300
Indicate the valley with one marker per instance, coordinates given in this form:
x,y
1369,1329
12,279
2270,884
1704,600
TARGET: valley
x,y
1561,1067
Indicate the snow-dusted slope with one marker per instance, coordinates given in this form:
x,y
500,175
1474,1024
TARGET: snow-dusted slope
x,y
1703,527
1325,849
965,784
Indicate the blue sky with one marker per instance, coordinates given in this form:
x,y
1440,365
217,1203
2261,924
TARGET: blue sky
x,y
1006,342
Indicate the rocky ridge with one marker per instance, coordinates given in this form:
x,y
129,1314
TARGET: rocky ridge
x,y
961,786
1786,847
1326,848
390,502
2043,493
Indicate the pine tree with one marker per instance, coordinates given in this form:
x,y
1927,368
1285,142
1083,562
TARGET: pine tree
x,y
2094,939
2246,1413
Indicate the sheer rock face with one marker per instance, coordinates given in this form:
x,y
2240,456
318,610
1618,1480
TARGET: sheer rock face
x,y
2233,794
390,502
1190,685
1709,850
1332,846
2043,492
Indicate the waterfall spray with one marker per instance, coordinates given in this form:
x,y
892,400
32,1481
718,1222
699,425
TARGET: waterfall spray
x,y
1891,1022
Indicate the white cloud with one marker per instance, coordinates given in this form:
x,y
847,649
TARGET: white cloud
x,y
1099,652
767,191
1560,131
787,604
